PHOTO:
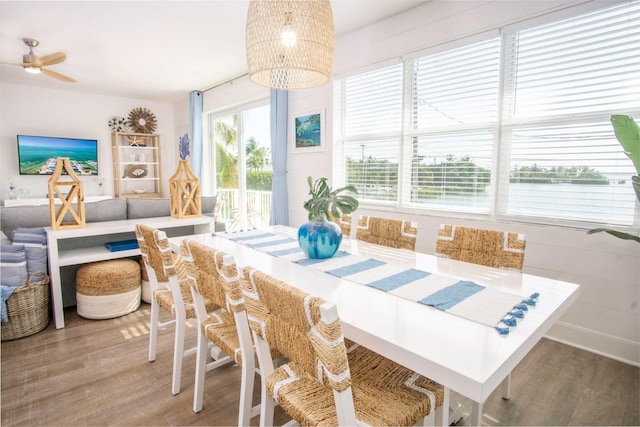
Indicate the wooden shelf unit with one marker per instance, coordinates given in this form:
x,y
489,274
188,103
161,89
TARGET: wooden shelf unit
x,y
137,170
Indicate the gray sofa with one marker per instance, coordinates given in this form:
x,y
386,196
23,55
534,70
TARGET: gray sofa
x,y
116,209
105,210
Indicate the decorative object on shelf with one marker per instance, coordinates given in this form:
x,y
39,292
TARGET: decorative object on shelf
x,y
320,238
290,43
136,141
183,147
139,190
628,134
100,182
74,194
142,120
118,124
135,171
184,186
136,157
12,189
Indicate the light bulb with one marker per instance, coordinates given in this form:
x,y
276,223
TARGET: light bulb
x,y
288,37
33,70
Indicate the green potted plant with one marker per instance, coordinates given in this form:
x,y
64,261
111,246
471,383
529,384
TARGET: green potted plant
x,y
628,134
320,238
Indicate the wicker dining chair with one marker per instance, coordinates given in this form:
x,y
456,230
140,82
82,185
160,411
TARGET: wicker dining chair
x,y
499,249
228,329
492,248
170,290
323,383
394,233
344,222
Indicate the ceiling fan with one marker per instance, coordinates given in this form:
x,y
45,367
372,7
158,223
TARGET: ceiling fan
x,y
35,65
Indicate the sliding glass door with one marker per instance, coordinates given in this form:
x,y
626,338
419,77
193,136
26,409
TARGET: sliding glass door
x,y
238,149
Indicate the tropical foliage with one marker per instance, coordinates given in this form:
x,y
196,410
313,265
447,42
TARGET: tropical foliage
x,y
326,203
628,134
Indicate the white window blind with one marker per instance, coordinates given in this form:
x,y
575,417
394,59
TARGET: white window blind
x,y
371,111
456,88
519,123
454,110
564,81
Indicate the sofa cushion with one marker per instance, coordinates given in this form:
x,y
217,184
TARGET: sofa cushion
x,y
147,208
39,216
208,205
106,210
23,216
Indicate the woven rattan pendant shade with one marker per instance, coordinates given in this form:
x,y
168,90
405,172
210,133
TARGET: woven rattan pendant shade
x,y
300,59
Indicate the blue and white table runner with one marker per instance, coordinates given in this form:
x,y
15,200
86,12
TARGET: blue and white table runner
x,y
462,298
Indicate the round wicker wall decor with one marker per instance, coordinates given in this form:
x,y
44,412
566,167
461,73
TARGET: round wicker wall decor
x,y
142,120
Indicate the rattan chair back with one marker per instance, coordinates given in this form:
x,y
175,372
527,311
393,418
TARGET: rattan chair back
x,y
212,284
167,267
394,233
478,246
344,222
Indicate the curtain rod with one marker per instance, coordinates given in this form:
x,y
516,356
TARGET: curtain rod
x,y
225,82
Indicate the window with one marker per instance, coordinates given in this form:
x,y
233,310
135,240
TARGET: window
x,y
515,126
239,151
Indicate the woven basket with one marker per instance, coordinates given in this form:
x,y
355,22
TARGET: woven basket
x,y
27,308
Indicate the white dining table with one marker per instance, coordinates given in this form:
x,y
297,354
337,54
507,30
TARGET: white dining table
x,y
468,357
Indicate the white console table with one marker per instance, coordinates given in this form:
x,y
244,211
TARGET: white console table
x,y
83,245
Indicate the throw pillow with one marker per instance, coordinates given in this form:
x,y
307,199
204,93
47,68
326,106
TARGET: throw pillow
x,y
34,241
13,265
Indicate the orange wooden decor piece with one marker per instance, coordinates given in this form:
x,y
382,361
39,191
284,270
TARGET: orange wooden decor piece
x,y
184,190
75,194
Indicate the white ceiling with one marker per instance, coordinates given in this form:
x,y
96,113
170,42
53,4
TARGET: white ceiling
x,y
153,50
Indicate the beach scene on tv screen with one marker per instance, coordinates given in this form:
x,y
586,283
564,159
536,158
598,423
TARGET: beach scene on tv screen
x,y
39,155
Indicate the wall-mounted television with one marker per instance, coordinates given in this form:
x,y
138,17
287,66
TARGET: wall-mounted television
x,y
37,155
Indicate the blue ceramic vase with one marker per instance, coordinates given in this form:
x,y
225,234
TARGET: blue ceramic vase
x,y
319,239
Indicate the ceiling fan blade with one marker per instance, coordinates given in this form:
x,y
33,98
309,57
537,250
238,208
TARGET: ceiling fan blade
x,y
23,64
57,76
54,58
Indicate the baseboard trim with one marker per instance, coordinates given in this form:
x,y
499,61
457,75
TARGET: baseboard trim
x,y
596,342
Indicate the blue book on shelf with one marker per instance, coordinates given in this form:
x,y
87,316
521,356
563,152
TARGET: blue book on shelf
x,y
123,245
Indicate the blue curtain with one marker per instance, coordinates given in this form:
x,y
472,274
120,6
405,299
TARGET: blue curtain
x,y
195,131
279,203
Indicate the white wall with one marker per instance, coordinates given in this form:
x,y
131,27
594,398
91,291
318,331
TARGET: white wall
x,y
36,111
606,318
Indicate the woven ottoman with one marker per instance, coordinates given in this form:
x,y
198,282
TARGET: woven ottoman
x,y
108,289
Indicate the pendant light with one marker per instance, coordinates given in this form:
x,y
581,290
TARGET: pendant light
x,y
290,43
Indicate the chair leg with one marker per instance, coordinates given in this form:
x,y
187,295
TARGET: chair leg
x,y
246,391
153,330
266,410
178,353
201,367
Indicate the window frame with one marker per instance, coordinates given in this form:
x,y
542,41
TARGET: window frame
x,y
501,162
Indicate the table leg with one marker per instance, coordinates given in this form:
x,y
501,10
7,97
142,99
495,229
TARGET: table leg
x,y
55,283
476,414
506,387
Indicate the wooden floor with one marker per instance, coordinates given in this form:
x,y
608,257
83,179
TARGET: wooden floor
x,y
96,373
